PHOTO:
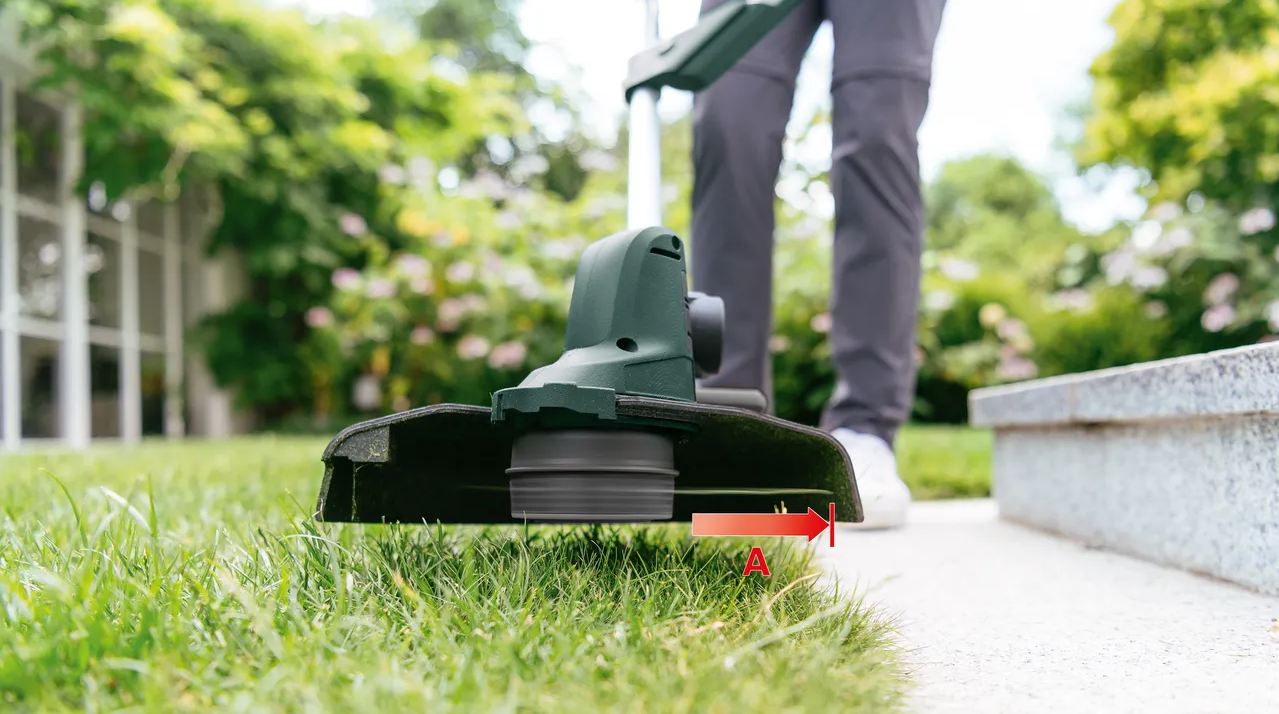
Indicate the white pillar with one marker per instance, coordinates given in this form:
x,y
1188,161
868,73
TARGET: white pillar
x,y
130,360
174,421
644,152
10,376
213,410
73,392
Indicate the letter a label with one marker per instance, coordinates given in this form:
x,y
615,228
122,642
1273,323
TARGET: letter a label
x,y
755,563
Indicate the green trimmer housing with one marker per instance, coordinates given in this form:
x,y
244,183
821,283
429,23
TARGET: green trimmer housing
x,y
616,429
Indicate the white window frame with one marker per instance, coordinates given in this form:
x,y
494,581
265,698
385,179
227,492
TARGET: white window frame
x,y
72,330
10,376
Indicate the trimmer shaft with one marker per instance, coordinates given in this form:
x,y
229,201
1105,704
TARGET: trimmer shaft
x,y
592,475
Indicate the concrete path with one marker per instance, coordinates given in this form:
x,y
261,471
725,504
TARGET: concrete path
x,y
996,617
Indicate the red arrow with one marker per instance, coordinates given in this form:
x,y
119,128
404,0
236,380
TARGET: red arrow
x,y
759,524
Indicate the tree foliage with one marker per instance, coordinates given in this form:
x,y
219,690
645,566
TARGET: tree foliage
x,y
1189,94
310,135
482,35
992,211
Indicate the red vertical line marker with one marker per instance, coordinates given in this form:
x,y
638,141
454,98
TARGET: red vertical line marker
x,y
832,524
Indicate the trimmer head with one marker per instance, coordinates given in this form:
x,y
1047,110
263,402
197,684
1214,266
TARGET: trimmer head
x,y
610,432
592,475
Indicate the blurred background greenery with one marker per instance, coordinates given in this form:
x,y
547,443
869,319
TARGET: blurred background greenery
x,y
409,233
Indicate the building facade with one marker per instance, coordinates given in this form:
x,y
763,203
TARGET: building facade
x,y
96,295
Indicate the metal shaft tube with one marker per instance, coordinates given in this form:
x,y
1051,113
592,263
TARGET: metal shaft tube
x,y
644,151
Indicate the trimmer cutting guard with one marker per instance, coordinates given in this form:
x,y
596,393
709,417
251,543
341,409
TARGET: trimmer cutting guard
x,y
447,463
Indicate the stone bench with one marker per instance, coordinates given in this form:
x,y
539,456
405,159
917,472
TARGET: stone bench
x,y
1176,461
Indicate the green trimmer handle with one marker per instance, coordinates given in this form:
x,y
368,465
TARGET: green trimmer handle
x,y
696,57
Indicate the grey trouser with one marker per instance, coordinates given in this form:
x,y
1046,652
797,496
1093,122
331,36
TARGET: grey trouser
x,y
882,65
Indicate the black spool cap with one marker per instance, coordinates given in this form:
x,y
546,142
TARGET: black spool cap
x,y
592,475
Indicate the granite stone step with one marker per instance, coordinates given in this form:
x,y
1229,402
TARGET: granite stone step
x,y
1176,461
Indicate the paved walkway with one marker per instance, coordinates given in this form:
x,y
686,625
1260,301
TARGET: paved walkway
x,y
1000,618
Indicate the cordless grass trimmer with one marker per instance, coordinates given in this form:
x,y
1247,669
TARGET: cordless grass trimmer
x,y
616,429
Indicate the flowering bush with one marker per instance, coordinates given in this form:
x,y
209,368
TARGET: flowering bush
x,y
1212,278
475,298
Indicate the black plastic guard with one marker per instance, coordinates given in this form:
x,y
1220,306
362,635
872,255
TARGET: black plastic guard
x,y
447,463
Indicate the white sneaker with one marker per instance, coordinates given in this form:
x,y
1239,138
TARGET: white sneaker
x,y
884,497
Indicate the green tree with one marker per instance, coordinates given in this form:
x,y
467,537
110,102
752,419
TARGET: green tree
x,y
1186,93
996,213
481,35
485,36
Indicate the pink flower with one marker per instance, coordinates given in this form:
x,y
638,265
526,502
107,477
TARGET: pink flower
x,y
449,313
1148,277
1217,318
507,355
1221,288
412,265
352,224
1155,309
958,269
939,300
821,323
366,393
1166,211
472,347
318,317
1118,265
460,272
422,335
1071,299
380,288
1010,328
392,174
422,285
1014,368
346,278
1256,220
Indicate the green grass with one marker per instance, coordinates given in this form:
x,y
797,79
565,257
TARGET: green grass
x,y
190,577
944,461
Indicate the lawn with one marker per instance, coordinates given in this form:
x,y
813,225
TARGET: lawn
x,y
939,461
190,577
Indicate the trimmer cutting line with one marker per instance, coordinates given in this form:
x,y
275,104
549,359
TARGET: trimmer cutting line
x,y
607,431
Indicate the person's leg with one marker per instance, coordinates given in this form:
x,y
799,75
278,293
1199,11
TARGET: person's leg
x,y
883,57
739,123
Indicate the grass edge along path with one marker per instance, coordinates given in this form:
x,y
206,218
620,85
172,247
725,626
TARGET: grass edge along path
x,y
945,461
172,577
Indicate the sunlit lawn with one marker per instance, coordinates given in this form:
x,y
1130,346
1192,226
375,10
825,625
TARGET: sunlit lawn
x,y
191,577
939,461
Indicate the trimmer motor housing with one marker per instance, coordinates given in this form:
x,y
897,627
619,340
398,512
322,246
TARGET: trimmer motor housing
x,y
633,329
